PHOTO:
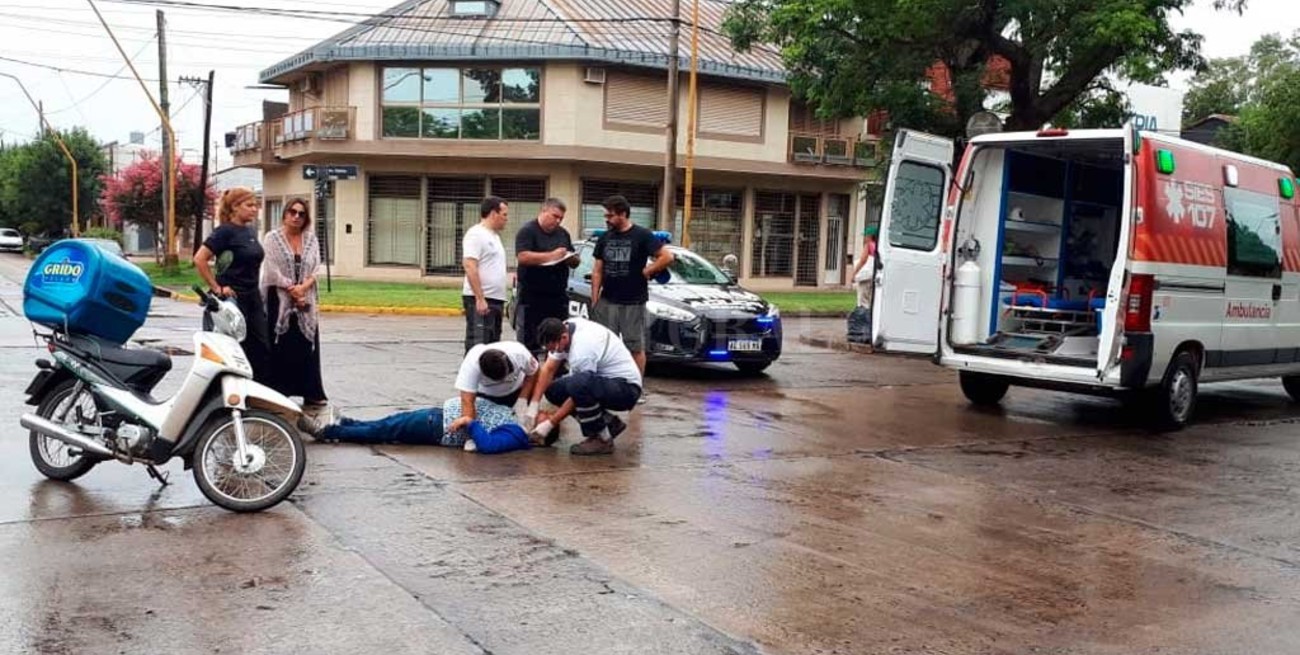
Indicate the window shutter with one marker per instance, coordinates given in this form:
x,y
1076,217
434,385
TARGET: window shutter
x,y
731,111
636,100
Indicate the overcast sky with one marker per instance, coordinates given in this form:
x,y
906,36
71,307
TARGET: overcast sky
x,y
66,34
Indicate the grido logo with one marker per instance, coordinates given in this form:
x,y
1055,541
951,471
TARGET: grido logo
x,y
1242,310
64,272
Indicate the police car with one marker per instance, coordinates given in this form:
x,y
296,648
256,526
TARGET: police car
x,y
696,312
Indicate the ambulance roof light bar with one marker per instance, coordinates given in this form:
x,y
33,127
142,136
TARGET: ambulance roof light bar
x,y
1050,131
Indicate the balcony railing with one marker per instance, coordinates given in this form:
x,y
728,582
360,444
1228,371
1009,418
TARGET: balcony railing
x,y
834,150
294,130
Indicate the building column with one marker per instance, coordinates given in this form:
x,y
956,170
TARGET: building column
x,y
746,254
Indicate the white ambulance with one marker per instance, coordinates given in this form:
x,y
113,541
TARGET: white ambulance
x,y
1110,262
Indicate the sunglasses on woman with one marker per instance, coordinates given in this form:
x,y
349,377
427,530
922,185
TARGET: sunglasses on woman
x,y
295,212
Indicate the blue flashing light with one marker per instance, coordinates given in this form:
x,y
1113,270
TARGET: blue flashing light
x,y
765,320
597,233
719,354
664,235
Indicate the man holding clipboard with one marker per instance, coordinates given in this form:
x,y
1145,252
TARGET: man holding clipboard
x,y
545,254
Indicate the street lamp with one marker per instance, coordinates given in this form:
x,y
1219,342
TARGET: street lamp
x,y
72,161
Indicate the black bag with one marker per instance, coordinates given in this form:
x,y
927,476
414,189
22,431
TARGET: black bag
x,y
860,325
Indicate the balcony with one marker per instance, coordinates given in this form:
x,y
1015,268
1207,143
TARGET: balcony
x,y
295,133
825,150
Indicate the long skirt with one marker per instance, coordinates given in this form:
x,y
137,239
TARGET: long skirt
x,y
295,361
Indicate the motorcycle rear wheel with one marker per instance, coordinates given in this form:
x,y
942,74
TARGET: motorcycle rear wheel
x,y
53,458
277,459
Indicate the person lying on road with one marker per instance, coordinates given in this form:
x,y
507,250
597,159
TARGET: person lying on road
x,y
494,430
602,377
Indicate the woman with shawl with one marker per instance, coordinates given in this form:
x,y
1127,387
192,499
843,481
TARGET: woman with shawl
x,y
289,288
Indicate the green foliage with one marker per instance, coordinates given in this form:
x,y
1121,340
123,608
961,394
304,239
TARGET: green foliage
x,y
849,57
103,233
36,182
1263,90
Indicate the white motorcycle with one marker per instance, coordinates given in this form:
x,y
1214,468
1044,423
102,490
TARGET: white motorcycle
x,y
93,405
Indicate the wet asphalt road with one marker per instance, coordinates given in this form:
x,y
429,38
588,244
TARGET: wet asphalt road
x,y
840,504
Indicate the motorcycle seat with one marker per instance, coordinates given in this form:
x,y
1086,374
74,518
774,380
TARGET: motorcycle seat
x,y
118,355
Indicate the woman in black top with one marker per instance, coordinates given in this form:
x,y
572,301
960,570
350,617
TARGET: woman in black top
x,y
238,258
289,286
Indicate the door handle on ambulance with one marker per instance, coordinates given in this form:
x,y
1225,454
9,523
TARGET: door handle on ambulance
x,y
1277,292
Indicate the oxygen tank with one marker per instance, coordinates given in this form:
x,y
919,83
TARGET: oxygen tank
x,y
966,304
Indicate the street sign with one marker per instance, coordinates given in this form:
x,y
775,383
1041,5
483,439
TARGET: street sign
x,y
341,172
309,172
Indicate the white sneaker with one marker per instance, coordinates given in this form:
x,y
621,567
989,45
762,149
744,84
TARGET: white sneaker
x,y
470,446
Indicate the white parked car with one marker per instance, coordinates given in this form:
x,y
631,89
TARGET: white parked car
x,y
11,240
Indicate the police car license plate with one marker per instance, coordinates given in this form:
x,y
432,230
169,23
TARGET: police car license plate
x,y
745,345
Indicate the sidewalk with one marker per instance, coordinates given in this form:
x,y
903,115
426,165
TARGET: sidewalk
x,y
832,335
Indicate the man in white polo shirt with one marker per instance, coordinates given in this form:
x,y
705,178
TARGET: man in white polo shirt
x,y
484,258
497,373
602,377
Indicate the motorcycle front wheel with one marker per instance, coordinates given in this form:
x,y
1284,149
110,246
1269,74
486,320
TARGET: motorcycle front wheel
x,y
53,458
270,470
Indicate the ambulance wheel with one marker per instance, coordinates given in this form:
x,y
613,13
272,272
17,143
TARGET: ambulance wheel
x,y
983,389
1176,398
1292,385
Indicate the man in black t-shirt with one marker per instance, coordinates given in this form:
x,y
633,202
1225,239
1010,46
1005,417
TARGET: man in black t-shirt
x,y
544,252
620,280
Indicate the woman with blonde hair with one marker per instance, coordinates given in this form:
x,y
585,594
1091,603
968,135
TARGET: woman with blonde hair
x,y
289,289
238,257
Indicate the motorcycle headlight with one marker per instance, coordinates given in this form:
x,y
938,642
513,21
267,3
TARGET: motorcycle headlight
x,y
669,312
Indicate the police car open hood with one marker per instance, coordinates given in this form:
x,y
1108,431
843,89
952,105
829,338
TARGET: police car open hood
x,y
709,299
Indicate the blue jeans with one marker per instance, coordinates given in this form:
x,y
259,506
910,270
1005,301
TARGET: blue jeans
x,y
417,427
592,395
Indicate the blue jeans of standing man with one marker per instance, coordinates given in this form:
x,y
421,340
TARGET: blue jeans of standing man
x,y
592,395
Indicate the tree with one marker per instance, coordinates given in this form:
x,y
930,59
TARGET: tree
x,y
36,182
849,57
1227,85
135,196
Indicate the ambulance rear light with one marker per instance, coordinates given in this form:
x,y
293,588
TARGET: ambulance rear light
x,y
1053,131
1137,306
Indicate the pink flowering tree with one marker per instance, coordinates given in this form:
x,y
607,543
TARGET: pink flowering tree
x,y
135,196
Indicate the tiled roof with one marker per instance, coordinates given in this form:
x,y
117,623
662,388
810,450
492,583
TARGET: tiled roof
x,y
633,32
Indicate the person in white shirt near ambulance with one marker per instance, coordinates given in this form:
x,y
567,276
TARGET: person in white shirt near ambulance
x,y
603,378
484,258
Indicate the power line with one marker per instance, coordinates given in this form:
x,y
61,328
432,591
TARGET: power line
x,y
105,84
69,70
352,15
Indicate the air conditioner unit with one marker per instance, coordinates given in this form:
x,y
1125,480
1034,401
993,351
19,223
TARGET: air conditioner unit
x,y
594,75
310,84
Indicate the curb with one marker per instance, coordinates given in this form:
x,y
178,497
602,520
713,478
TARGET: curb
x,y
837,344
362,309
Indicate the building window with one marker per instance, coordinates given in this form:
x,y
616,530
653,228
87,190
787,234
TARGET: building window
x,y
454,205
1254,233
499,104
717,222
274,215
644,199
915,207
393,225
524,197
474,8
773,247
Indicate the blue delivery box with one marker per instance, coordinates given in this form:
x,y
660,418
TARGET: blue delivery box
x,y
75,285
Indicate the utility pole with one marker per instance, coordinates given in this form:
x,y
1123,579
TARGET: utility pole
x,y
168,169
201,194
691,126
668,199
